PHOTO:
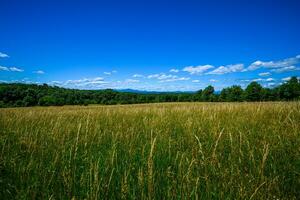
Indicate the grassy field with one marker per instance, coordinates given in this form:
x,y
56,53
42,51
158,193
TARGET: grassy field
x,y
155,151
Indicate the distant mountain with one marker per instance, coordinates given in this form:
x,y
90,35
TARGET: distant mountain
x,y
152,92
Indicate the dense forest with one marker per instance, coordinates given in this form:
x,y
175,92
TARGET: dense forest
x,y
18,94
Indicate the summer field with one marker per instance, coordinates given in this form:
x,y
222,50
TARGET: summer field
x,y
151,151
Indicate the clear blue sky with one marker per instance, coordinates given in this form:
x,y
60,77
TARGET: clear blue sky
x,y
134,44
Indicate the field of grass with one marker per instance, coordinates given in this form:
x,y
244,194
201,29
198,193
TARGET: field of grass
x,y
155,151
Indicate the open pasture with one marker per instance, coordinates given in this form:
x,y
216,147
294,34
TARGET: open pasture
x,y
151,151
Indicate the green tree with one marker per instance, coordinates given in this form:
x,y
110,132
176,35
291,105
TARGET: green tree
x,y
290,90
47,101
208,93
198,95
253,92
224,95
235,93
29,101
2,104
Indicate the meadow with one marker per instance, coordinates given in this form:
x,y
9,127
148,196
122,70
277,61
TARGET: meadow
x,y
151,151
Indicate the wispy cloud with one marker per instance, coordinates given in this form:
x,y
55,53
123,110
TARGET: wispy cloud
x,y
279,66
138,76
85,83
4,68
3,55
286,69
56,82
270,79
213,80
227,69
264,74
197,69
12,69
110,73
195,81
39,72
173,79
274,64
272,84
174,70
153,76
161,76
258,80
15,69
286,78
84,80
132,81
245,80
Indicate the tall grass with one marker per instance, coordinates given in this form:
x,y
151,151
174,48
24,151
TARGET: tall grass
x,y
157,151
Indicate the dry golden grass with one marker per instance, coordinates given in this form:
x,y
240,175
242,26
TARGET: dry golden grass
x,y
151,151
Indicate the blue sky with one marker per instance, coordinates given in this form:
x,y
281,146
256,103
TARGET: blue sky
x,y
149,45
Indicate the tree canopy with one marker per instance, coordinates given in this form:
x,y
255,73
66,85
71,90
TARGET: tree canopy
x,y
18,94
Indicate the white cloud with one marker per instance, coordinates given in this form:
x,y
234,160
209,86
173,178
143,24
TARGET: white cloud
x,y
164,76
274,64
173,79
39,72
3,68
271,84
228,69
255,65
213,80
264,74
195,81
174,70
98,79
197,69
270,79
85,82
153,76
12,69
286,69
161,76
110,73
286,78
15,69
131,81
138,76
245,80
3,55
56,82
258,79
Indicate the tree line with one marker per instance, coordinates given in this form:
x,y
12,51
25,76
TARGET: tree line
x,y
18,94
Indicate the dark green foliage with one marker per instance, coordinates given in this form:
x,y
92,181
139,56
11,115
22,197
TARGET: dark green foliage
x,y
233,93
290,90
208,93
253,92
17,94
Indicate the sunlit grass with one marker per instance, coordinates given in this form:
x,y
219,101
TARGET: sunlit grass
x,y
157,151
